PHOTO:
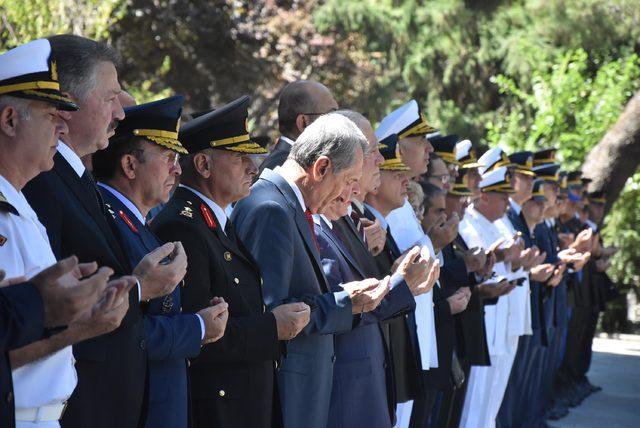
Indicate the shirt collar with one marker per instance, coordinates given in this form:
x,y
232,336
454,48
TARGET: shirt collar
x,y
516,207
16,199
125,201
287,140
318,218
294,187
383,221
359,205
71,157
217,209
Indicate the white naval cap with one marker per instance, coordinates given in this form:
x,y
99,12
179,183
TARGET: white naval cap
x,y
466,155
493,158
29,71
496,180
404,121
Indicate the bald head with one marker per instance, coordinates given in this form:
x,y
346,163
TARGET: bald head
x,y
301,103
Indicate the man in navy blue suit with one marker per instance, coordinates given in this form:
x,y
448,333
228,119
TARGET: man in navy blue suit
x,y
136,172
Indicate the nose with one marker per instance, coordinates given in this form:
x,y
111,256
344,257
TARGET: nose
x,y
61,126
176,169
428,147
379,158
355,191
118,111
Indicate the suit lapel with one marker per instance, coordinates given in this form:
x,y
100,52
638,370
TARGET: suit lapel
x,y
301,221
71,179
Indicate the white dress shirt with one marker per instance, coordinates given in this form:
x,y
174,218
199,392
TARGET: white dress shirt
x,y
27,251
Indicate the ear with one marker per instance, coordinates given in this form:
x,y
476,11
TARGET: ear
x,y
320,168
9,119
301,123
202,164
128,164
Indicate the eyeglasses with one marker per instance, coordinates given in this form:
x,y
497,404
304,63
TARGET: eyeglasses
x,y
171,158
444,178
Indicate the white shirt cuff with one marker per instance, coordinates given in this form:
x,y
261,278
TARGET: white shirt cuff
x,y
202,330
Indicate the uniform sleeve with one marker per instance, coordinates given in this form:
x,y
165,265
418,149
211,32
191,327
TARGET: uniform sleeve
x,y
172,337
21,316
246,339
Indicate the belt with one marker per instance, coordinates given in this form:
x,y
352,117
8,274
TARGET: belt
x,y
51,412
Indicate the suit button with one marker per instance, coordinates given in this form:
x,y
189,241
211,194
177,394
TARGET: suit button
x,y
143,344
227,256
333,358
10,397
221,393
188,363
384,365
236,280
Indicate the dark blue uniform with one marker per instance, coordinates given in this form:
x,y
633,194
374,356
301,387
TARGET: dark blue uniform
x,y
171,336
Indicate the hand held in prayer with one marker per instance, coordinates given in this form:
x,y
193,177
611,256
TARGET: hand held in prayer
x,y
69,290
160,271
542,272
474,259
291,318
367,294
375,234
459,300
215,320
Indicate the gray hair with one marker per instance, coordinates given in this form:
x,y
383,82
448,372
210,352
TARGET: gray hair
x,y
77,58
331,135
20,104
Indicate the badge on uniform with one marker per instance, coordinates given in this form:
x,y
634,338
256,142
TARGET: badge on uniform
x,y
167,304
3,239
187,212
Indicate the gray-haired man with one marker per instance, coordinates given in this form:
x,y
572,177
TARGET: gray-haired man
x,y
275,223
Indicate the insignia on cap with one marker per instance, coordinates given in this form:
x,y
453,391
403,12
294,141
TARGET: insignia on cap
x,y
54,70
3,239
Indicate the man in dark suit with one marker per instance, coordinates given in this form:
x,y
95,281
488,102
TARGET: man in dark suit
x,y
301,102
135,174
112,367
232,380
275,223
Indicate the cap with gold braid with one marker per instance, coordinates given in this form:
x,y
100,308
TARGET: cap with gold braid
x,y
548,172
537,194
461,185
497,180
29,71
406,121
225,128
389,151
157,122
523,162
492,159
598,197
445,147
466,155
544,157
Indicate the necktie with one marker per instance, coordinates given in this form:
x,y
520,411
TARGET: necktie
x,y
309,216
355,216
90,184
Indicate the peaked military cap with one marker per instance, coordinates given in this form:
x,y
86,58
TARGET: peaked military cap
x,y
157,122
29,71
389,150
492,159
225,128
548,172
461,185
574,178
598,197
445,147
466,155
405,121
523,162
537,194
496,180
563,183
544,157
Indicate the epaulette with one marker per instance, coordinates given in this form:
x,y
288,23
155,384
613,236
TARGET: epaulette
x,y
5,206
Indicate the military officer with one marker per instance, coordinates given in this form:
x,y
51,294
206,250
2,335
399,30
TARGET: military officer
x,y
136,173
232,380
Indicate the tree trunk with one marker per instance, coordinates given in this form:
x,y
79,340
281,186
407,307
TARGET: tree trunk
x,y
617,156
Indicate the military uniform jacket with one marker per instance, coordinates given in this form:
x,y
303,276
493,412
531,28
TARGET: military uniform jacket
x,y
232,380
112,368
171,336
